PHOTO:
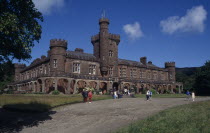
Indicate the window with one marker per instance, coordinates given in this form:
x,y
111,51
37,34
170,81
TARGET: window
x,y
171,77
162,76
49,68
141,74
110,53
155,76
92,69
122,72
36,72
76,67
45,69
133,73
34,75
149,75
110,71
55,63
41,70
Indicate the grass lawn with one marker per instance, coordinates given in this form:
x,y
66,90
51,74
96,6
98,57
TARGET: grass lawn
x,y
190,118
40,103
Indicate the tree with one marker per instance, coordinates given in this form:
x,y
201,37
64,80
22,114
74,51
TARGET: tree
x,y
19,29
202,80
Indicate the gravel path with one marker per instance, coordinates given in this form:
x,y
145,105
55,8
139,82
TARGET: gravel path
x,y
103,116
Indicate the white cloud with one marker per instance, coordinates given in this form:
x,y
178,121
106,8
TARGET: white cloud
x,y
193,21
48,6
133,30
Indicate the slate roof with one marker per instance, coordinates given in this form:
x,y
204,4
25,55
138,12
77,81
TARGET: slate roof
x,y
81,56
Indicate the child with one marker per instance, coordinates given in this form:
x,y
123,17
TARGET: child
x,y
90,95
150,95
188,95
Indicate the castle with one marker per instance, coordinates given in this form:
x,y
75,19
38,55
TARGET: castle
x,y
70,71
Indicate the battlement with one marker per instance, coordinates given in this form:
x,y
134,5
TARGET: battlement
x,y
169,64
94,38
115,37
104,20
58,43
21,66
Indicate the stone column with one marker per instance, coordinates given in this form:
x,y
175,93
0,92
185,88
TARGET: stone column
x,y
179,89
43,85
98,85
69,85
33,86
75,85
56,83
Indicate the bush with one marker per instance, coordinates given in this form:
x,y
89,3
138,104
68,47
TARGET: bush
x,y
55,92
153,91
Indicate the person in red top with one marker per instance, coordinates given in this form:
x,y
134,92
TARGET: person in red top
x,y
90,95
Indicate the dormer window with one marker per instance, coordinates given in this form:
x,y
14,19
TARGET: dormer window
x,y
110,53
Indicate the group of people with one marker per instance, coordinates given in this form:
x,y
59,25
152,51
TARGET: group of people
x,y
87,95
189,95
149,95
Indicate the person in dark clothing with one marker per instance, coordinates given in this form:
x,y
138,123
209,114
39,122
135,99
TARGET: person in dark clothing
x,y
85,95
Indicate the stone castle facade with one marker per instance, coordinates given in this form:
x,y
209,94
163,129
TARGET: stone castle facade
x,y
70,71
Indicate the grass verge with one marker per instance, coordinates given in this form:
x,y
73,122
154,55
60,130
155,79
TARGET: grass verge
x,y
190,118
40,103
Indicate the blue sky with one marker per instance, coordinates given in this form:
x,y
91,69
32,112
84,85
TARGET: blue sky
x,y
162,30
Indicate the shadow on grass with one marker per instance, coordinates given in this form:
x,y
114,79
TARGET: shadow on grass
x,y
14,117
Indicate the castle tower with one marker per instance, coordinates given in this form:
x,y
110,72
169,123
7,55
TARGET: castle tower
x,y
57,56
171,70
106,49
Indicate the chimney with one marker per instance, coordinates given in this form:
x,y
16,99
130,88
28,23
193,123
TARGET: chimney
x,y
143,60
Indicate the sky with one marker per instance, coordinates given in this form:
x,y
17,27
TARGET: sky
x,y
161,30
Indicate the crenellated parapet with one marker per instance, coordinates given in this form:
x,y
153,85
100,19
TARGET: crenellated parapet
x,y
115,37
169,64
58,43
94,39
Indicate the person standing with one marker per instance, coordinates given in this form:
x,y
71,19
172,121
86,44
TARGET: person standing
x,y
85,95
115,93
193,96
150,95
90,95
147,95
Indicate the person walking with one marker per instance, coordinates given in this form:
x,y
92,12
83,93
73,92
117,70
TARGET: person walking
x,y
147,95
193,96
90,95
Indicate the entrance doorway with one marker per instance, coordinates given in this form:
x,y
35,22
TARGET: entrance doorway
x,y
115,85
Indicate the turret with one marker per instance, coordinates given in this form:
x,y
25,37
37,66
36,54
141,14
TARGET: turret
x,y
170,66
18,69
57,56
